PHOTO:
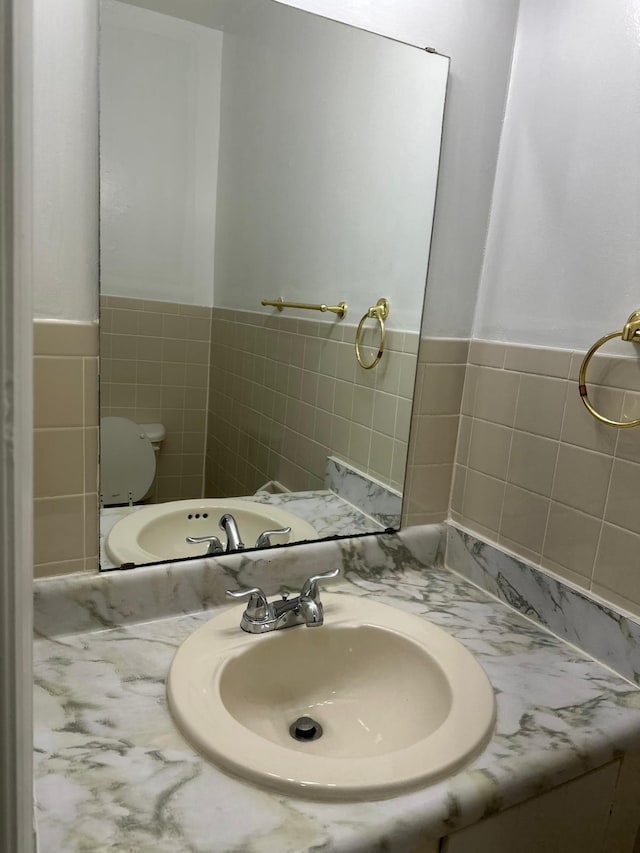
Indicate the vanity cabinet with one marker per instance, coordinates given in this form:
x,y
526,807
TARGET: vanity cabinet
x,y
597,813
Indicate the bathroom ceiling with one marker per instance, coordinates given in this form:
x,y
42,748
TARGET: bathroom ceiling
x,y
250,151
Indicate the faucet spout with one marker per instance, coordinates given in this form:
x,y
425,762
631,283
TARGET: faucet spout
x,y
230,527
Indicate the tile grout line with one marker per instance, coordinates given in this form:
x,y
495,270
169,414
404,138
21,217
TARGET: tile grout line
x,y
604,513
512,430
555,472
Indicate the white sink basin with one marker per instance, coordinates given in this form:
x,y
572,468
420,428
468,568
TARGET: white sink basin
x,y
159,532
400,702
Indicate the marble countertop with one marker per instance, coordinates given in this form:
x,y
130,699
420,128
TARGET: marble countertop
x,y
113,772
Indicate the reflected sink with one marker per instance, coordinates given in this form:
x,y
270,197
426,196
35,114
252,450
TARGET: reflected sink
x,y
159,532
400,702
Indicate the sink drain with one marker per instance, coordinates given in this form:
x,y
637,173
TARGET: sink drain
x,y
305,728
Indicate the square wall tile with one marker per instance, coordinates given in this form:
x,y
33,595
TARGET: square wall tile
x,y
489,448
381,455
541,404
435,439
91,440
496,396
524,518
384,413
617,567
359,445
628,446
58,392
483,499
623,501
582,429
91,406
458,488
612,371
582,479
363,399
399,464
441,389
59,530
571,539
532,463
58,462
92,524
429,487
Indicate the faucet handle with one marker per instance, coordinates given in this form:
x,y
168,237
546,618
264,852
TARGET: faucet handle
x,y
310,586
264,540
215,545
257,606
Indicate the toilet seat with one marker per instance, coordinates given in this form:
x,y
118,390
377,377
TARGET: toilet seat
x,y
127,461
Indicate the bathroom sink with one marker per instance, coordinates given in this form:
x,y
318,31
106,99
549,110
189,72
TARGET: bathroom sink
x,y
374,702
160,531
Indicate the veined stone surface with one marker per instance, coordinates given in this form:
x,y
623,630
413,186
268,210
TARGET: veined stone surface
x,y
113,772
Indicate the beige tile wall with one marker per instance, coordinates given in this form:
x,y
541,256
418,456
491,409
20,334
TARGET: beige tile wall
x,y
285,393
155,369
536,473
65,447
442,364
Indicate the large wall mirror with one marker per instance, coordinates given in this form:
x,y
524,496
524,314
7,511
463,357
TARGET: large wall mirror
x,y
251,151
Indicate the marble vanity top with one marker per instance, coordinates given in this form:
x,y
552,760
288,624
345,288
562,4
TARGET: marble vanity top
x,y
113,773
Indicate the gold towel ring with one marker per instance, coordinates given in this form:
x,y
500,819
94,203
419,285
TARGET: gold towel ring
x,y
630,332
379,312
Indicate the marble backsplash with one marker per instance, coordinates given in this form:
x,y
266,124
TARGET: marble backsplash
x,y
77,603
369,495
610,636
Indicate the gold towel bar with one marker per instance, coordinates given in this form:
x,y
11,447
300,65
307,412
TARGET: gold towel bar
x,y
340,309
630,332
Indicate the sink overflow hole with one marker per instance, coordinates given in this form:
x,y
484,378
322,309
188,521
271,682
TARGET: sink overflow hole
x,y
305,728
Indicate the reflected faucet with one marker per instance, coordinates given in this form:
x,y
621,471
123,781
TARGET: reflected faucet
x,y
234,541
230,527
215,545
264,540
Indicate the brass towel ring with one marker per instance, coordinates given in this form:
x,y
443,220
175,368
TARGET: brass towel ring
x,y
631,332
379,312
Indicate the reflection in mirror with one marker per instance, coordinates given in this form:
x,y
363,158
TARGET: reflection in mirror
x,y
251,151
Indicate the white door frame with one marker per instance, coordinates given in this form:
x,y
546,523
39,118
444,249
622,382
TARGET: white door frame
x,y
16,430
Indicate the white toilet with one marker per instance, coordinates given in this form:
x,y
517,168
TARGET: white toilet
x,y
128,454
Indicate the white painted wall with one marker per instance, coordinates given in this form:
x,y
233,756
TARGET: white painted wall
x,y
478,36
327,174
159,134
65,159
563,253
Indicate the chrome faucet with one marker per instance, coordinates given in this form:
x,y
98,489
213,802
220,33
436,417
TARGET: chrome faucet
x,y
262,615
230,527
234,541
